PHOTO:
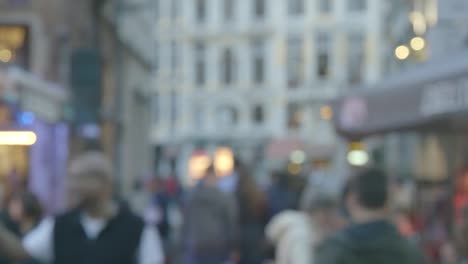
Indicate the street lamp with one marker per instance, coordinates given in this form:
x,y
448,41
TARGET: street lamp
x,y
418,43
402,52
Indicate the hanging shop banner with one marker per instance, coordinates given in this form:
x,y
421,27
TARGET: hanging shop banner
x,y
424,96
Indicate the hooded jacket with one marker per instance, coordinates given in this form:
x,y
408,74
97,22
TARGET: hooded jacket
x,y
371,243
291,232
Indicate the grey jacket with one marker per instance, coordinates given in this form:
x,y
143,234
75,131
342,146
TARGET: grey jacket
x,y
211,219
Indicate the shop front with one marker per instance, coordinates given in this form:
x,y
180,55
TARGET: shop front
x,y
420,121
33,137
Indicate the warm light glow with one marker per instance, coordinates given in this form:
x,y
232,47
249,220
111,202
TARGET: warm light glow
x,y
402,52
358,157
17,138
356,145
224,161
432,12
326,112
298,157
418,43
6,55
198,164
12,36
419,23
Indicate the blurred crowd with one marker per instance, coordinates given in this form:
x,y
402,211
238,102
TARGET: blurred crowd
x,y
232,219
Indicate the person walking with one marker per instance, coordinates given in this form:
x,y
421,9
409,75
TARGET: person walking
x,y
97,230
252,217
280,195
371,238
210,223
24,212
294,233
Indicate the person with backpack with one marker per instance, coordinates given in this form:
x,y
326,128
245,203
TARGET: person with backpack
x,y
371,238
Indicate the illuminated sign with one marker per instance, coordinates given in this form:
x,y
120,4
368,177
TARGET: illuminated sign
x,y
17,138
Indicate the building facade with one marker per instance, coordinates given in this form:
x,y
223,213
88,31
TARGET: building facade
x,y
254,73
79,74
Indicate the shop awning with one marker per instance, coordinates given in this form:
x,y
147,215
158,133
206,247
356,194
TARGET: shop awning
x,y
432,95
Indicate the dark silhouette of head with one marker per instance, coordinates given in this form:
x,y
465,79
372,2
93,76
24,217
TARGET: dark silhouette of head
x,y
367,194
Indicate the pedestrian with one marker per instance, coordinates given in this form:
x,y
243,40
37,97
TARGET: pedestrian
x,y
25,212
252,217
96,230
294,233
210,227
462,238
281,197
371,238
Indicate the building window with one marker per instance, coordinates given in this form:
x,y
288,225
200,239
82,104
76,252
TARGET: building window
x,y
258,115
229,10
325,6
296,7
357,5
295,62
200,64
174,108
157,9
174,9
356,46
295,116
174,56
200,10
323,55
259,8
228,70
258,52
157,53
155,109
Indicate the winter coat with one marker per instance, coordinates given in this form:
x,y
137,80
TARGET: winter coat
x,y
371,243
292,234
211,220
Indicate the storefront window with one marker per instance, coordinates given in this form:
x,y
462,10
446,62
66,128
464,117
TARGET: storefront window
x,y
14,45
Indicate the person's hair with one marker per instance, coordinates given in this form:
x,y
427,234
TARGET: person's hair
x,y
371,187
92,163
210,170
32,207
249,191
320,201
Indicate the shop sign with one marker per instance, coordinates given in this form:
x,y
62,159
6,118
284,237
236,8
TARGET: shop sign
x,y
354,112
444,97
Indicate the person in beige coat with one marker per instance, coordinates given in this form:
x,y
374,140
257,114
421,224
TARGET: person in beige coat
x,y
295,233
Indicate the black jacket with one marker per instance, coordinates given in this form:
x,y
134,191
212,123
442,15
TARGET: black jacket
x,y
371,243
116,244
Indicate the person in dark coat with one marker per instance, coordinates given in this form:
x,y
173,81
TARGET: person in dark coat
x,y
281,195
371,238
252,218
211,228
